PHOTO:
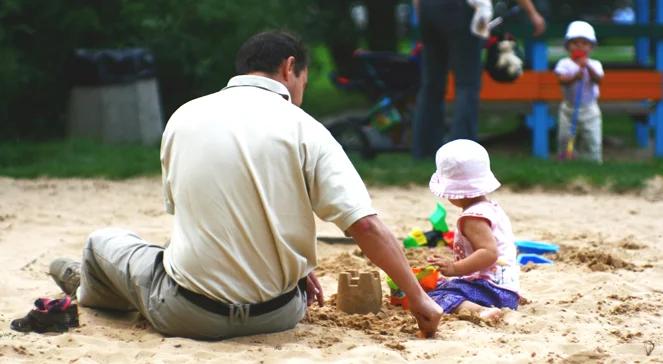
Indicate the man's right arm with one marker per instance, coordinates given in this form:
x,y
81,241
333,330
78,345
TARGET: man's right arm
x,y
382,248
338,195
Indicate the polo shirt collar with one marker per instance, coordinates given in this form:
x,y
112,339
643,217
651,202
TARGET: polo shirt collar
x,y
260,82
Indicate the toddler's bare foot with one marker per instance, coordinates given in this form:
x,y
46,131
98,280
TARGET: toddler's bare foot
x,y
491,315
478,314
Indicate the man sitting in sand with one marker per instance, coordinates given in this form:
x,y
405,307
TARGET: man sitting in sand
x,y
244,172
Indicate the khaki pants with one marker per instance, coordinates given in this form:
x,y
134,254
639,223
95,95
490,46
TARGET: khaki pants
x,y
588,131
120,271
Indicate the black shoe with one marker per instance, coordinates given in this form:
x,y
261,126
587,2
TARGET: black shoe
x,y
49,316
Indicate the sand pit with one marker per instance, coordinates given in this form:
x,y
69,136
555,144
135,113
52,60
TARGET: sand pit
x,y
600,302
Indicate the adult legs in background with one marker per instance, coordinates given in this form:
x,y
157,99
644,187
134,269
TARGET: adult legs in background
x,y
448,43
465,61
429,126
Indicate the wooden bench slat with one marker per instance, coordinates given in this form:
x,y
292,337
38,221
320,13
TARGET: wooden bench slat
x,y
543,86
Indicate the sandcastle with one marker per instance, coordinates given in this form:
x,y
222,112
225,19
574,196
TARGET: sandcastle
x,y
359,292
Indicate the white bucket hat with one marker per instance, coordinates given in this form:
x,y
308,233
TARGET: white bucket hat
x,y
580,29
463,171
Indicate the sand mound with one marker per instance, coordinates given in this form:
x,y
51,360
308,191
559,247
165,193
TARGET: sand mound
x,y
391,321
594,259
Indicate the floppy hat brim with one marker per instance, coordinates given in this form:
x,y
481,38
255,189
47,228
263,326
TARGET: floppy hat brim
x,y
467,188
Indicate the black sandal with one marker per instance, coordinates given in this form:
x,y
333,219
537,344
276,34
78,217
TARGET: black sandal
x,y
49,316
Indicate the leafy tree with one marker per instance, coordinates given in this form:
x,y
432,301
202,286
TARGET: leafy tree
x,y
194,43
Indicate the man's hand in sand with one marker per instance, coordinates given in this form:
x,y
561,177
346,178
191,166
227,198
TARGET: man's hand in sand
x,y
314,290
382,248
428,314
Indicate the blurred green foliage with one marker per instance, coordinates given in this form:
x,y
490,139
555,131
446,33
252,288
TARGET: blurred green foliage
x,y
194,43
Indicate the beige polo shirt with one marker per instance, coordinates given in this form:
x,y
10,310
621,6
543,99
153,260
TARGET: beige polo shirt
x,y
244,170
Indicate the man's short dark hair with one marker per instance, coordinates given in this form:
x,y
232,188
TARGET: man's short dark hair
x,y
264,52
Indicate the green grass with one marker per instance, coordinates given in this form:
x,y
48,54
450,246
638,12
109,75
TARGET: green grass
x,y
519,171
80,158
618,176
77,158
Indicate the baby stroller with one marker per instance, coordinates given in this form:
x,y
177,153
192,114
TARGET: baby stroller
x,y
390,80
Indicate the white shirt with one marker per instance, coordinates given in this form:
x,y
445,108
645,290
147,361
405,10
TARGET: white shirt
x,y
590,90
244,170
505,272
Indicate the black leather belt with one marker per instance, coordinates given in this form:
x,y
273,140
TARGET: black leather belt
x,y
255,309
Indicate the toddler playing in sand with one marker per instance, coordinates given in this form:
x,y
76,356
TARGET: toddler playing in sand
x,y
484,250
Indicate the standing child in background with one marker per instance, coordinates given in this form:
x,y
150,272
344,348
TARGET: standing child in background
x,y
579,77
484,249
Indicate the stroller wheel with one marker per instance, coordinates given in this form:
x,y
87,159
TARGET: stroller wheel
x,y
350,134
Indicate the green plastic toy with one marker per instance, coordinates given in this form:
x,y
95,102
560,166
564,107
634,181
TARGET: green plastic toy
x,y
417,237
438,219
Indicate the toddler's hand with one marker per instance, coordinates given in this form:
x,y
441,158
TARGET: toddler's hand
x,y
579,75
445,266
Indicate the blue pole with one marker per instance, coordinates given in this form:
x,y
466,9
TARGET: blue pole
x,y
642,128
658,114
538,120
539,56
642,43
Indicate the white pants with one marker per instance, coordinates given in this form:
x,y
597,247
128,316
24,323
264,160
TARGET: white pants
x,y
120,271
588,133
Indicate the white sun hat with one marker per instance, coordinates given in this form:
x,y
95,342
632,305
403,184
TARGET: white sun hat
x,y
463,171
580,29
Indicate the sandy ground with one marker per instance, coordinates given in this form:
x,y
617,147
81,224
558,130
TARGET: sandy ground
x,y
601,301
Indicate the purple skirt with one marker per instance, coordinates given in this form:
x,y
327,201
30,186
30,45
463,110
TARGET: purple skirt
x,y
450,294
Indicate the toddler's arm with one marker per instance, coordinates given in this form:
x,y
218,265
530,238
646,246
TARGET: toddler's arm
x,y
569,79
594,75
478,232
